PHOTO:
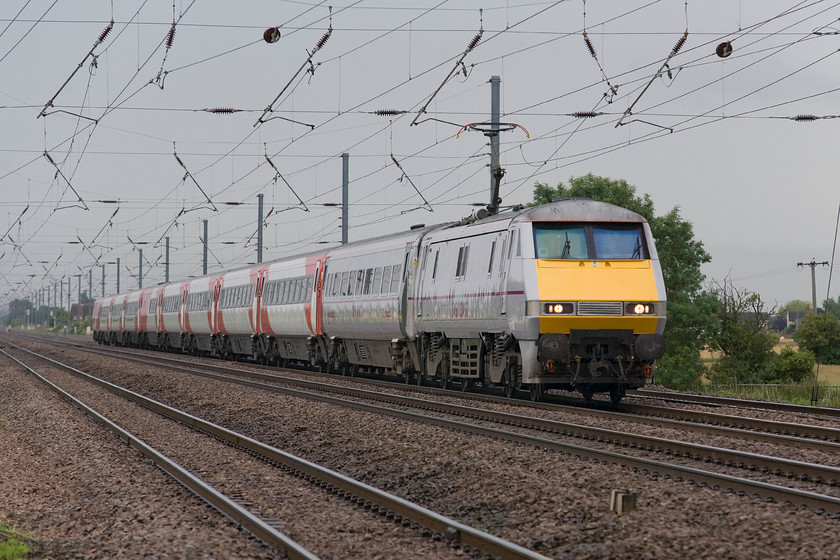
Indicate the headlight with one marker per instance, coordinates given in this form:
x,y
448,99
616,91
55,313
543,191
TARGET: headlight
x,y
639,309
565,308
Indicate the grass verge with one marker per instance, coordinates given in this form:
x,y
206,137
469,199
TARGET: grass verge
x,y
11,547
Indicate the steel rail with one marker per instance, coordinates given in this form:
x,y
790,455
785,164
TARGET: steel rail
x,y
742,403
819,502
332,480
227,506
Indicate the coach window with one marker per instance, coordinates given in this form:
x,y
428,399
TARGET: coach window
x,y
395,278
345,283
351,287
360,282
368,280
377,280
294,297
386,279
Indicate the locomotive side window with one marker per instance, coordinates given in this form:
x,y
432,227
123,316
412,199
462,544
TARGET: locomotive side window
x,y
434,268
461,267
579,242
492,254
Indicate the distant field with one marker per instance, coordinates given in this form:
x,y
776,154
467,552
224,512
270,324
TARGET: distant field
x,y
830,375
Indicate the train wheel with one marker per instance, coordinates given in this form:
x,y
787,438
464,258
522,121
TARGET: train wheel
x,y
466,384
616,393
537,391
587,393
444,381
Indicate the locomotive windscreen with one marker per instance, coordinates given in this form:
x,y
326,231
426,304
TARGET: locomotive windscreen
x,y
590,241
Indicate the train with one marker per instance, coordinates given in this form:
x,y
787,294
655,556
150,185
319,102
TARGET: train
x,y
566,295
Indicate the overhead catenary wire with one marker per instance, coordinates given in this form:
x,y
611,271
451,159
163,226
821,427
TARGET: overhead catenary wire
x,y
278,174
96,43
308,62
66,180
190,175
459,63
426,204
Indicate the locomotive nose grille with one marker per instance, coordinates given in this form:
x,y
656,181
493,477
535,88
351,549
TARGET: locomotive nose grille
x,y
600,308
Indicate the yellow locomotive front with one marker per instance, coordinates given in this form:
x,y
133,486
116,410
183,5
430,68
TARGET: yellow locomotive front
x,y
594,300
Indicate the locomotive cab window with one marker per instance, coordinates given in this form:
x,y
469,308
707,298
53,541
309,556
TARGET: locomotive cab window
x,y
584,241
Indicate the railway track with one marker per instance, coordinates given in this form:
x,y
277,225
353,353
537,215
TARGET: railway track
x,y
337,488
711,400
800,436
314,390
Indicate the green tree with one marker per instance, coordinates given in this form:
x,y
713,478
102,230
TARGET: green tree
x,y
691,310
821,335
741,335
794,305
832,306
791,366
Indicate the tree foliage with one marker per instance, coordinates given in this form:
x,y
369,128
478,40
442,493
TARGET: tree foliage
x,y
794,305
791,366
832,306
690,308
741,335
821,335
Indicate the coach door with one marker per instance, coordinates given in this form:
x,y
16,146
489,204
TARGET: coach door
x,y
314,315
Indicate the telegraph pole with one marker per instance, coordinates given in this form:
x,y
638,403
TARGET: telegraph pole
x,y
204,266
345,196
813,264
495,115
259,227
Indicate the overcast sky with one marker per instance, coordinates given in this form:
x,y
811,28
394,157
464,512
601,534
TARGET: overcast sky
x,y
89,132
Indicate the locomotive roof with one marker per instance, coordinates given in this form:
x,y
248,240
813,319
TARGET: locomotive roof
x,y
578,210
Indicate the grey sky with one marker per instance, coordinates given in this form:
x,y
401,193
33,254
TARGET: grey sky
x,y
758,187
